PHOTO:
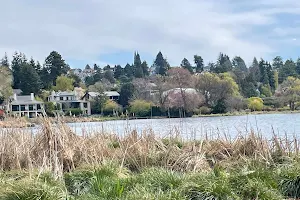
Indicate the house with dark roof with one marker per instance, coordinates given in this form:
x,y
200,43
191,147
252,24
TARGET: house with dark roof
x,y
25,105
70,100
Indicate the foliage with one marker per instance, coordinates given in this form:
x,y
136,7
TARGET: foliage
x,y
126,93
161,64
255,104
5,83
63,83
73,111
111,107
29,81
140,108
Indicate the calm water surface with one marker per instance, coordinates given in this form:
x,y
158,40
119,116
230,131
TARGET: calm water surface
x,y
231,126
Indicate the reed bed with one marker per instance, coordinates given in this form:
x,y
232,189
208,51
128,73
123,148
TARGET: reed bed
x,y
145,166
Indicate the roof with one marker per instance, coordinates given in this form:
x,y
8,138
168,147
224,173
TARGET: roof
x,y
111,93
107,93
94,94
26,99
64,93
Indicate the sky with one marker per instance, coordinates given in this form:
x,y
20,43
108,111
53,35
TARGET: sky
x,y
110,31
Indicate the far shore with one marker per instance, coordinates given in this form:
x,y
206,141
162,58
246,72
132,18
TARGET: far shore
x,y
25,122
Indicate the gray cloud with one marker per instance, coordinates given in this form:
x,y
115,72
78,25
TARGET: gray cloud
x,y
83,30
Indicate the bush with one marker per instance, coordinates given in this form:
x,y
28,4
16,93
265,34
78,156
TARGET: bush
x,y
255,104
74,111
49,108
140,108
111,107
265,91
204,110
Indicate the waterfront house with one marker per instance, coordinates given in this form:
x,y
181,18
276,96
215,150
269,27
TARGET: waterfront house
x,y
70,100
25,105
113,95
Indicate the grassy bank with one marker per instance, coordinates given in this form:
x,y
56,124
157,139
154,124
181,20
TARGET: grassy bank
x,y
57,164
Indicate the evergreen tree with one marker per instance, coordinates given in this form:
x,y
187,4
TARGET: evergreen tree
x,y
298,66
118,71
30,81
223,64
32,63
56,66
96,67
4,61
128,70
277,62
87,67
38,67
145,68
161,64
254,70
186,65
18,60
137,66
239,63
199,63
263,65
288,69
126,93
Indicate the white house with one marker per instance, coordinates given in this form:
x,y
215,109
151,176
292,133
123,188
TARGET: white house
x,y
68,100
113,95
25,105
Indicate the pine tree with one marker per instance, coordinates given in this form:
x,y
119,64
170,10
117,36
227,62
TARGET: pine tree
x,y
118,71
4,61
223,64
186,65
30,80
96,67
129,70
56,66
199,63
239,63
87,67
145,68
277,62
18,60
137,66
161,64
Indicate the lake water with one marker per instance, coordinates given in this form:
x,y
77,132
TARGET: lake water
x,y
191,128
195,128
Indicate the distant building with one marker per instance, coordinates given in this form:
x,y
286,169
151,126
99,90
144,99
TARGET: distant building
x,y
25,105
69,100
113,95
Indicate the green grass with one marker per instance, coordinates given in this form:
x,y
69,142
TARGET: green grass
x,y
110,181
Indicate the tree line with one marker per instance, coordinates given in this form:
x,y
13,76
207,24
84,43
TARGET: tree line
x,y
190,87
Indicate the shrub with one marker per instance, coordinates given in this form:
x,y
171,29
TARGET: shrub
x,y
49,108
74,111
111,107
265,91
140,108
204,110
255,104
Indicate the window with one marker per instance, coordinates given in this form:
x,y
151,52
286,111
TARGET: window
x,y
85,105
30,107
22,107
38,106
61,98
15,108
67,99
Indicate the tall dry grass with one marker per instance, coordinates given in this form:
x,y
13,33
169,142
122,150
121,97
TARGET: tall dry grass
x,y
57,149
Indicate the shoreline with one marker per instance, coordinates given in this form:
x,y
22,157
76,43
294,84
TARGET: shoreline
x,y
32,122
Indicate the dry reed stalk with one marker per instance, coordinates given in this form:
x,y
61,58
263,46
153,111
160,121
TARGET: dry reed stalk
x,y
56,148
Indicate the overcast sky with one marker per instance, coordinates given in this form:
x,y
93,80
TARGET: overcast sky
x,y
109,31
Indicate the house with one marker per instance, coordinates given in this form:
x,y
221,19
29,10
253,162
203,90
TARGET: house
x,y
70,100
25,105
113,95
